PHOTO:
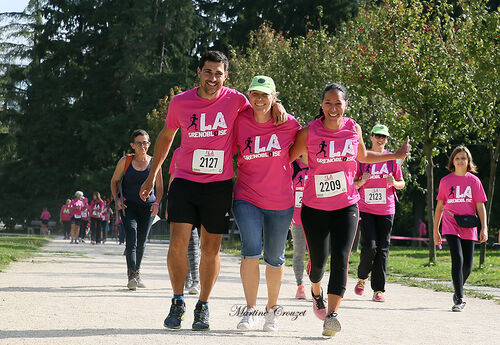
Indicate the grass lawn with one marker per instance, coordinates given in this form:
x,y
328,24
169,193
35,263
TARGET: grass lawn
x,y
405,263
13,248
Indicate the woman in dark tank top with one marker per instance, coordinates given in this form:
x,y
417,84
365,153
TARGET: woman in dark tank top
x,y
137,215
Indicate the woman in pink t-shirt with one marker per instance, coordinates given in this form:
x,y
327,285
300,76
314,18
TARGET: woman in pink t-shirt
x,y
76,206
65,218
263,197
332,143
460,193
96,210
377,184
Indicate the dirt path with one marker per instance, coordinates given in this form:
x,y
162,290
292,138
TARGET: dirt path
x,y
80,298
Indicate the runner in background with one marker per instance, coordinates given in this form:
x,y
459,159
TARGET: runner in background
x,y
377,184
45,217
332,143
460,193
299,241
263,198
85,220
65,218
96,209
137,214
76,206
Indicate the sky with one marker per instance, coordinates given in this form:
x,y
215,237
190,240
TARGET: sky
x,y
13,5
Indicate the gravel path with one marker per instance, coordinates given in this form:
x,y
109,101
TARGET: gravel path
x,y
76,294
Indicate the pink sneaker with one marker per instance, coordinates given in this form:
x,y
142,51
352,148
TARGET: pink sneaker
x,y
319,305
378,296
360,287
301,292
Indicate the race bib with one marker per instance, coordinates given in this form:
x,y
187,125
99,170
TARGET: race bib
x,y
375,196
208,161
77,216
96,213
330,184
298,199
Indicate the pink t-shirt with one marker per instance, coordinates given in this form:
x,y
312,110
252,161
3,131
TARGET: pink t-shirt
x,y
45,215
76,208
65,213
299,182
332,166
376,195
460,195
264,176
96,208
205,154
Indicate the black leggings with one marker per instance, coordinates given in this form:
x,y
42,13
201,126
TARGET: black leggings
x,y
375,240
330,232
462,253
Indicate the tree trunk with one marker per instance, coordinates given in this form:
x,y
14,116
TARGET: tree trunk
x,y
429,169
491,191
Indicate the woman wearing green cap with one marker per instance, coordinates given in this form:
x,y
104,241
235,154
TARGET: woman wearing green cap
x,y
263,198
377,183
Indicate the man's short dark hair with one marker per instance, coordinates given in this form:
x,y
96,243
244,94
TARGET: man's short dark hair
x,y
214,56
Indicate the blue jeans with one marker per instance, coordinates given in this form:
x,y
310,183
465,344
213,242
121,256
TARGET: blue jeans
x,y
136,223
254,224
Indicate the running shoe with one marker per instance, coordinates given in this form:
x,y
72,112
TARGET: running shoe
x,y
319,305
331,325
176,315
301,292
249,320
270,321
459,306
360,287
378,296
194,289
201,316
455,299
140,283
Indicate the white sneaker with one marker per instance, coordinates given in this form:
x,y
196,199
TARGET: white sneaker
x,y
194,289
249,320
271,321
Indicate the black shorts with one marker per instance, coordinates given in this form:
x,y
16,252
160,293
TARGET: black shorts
x,y
76,221
45,221
208,204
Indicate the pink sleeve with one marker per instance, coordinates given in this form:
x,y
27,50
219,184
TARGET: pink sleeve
x,y
358,170
398,173
442,191
172,119
479,195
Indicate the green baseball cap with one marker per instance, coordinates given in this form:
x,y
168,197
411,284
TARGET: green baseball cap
x,y
263,84
380,129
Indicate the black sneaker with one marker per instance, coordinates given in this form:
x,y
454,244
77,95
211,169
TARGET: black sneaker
x,y
201,315
459,306
176,314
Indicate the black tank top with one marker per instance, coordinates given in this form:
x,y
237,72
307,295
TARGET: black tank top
x,y
131,184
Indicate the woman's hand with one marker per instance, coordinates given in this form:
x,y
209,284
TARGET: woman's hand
x,y
404,150
120,205
154,209
483,235
437,238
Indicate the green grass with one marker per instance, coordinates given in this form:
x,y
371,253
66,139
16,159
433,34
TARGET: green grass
x,y
13,248
406,263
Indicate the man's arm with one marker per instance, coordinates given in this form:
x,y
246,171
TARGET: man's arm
x,y
162,146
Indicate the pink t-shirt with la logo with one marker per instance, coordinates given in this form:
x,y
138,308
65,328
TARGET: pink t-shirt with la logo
x,y
96,208
76,208
264,176
460,195
206,133
376,195
332,166
299,182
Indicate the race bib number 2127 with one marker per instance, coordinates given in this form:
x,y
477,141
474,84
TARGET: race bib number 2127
x,y
208,161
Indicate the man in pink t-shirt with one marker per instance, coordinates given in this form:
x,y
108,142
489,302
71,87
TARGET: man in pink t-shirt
x,y
201,192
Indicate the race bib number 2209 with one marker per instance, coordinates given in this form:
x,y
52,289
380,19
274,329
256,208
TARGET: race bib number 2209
x,y
208,161
329,185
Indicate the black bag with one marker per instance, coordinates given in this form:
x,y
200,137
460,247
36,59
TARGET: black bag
x,y
467,221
